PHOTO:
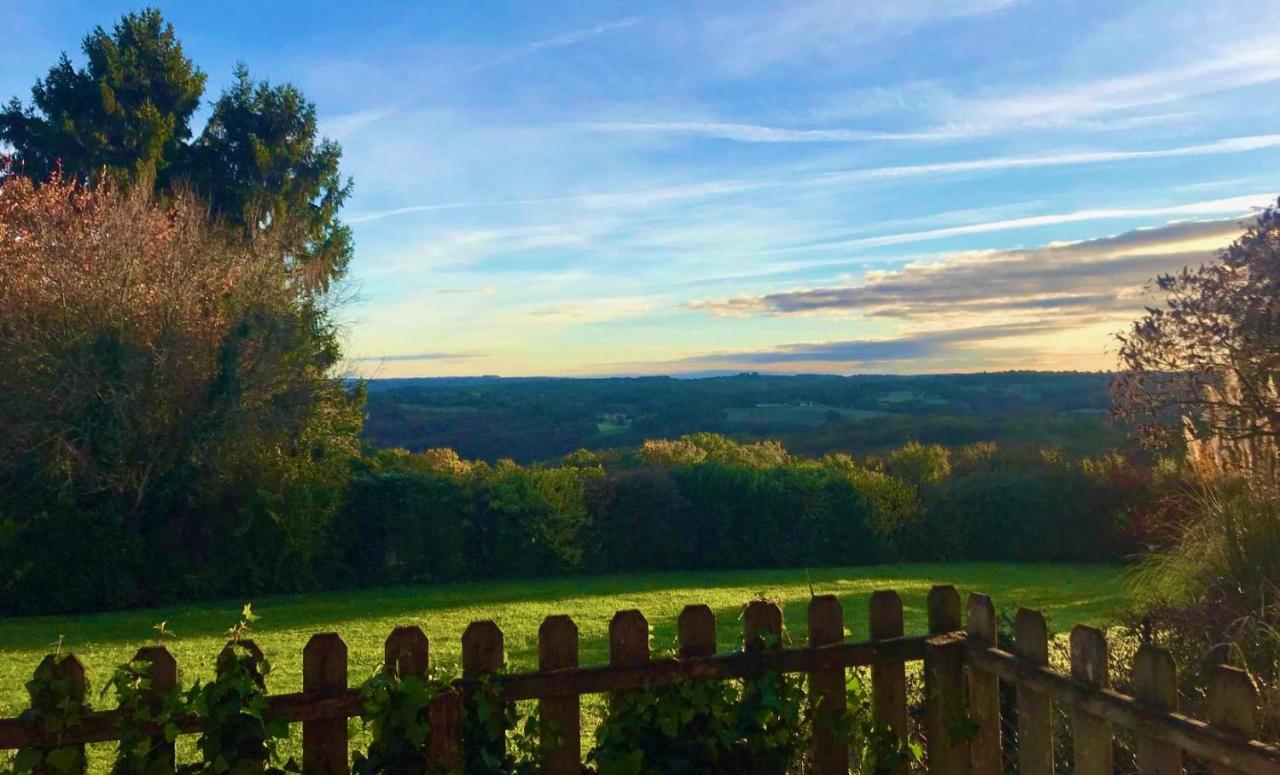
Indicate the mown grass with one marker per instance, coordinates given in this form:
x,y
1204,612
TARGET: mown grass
x,y
1068,594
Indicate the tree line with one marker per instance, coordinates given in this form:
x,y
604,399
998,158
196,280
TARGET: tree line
x,y
699,502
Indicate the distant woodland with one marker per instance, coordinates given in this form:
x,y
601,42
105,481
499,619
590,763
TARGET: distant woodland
x,y
530,420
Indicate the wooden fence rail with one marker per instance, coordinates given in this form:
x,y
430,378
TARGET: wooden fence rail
x,y
963,670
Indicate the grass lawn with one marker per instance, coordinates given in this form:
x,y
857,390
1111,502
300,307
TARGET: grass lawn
x,y
1067,594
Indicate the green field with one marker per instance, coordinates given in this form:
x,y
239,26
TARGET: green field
x,y
811,415
1068,594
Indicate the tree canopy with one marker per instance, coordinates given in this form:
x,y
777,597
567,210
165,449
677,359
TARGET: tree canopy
x,y
261,167
126,112
259,163
1204,367
165,331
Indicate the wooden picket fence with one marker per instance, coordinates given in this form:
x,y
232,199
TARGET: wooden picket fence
x,y
962,673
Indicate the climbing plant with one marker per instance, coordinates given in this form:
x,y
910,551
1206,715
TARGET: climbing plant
x,y
237,736
697,726
142,711
395,708
57,690
875,747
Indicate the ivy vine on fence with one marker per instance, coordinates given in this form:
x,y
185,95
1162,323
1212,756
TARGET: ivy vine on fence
x,y
395,708
759,723
57,690
237,737
147,722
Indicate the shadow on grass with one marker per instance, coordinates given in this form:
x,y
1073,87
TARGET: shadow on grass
x,y
1078,593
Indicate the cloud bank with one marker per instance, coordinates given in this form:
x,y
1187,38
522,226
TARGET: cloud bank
x,y
1098,276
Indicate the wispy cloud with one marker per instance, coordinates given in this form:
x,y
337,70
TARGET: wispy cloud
x,y
342,127
1072,158
1108,104
1236,205
645,197
963,349
429,356
763,133
718,188
586,33
561,40
756,133
862,351
1244,63
594,310
755,36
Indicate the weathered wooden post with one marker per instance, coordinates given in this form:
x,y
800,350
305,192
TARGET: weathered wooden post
x,y
1035,710
482,656
559,717
984,691
628,639
324,670
1092,735
830,751
1155,683
63,668
1233,708
444,742
406,651
944,684
888,676
762,631
162,671
696,629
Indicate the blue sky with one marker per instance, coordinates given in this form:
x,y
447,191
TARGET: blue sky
x,y
695,187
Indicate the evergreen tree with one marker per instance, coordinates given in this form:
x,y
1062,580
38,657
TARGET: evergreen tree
x,y
126,113
261,166
259,163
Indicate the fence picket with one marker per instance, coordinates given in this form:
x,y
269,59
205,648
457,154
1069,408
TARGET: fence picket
x,y
1035,710
70,669
482,656
324,741
984,691
1233,708
628,641
559,717
761,625
163,674
444,742
944,684
1092,736
406,651
830,750
888,676
762,631
943,606
697,631
1155,682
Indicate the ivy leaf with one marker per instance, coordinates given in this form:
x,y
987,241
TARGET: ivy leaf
x,y
64,759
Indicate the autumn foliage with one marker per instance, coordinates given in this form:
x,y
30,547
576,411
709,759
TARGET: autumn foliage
x,y
166,382
1202,368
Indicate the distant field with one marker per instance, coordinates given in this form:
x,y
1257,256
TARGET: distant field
x,y
793,414
1067,594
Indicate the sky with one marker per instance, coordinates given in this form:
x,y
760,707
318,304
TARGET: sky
x,y
607,188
